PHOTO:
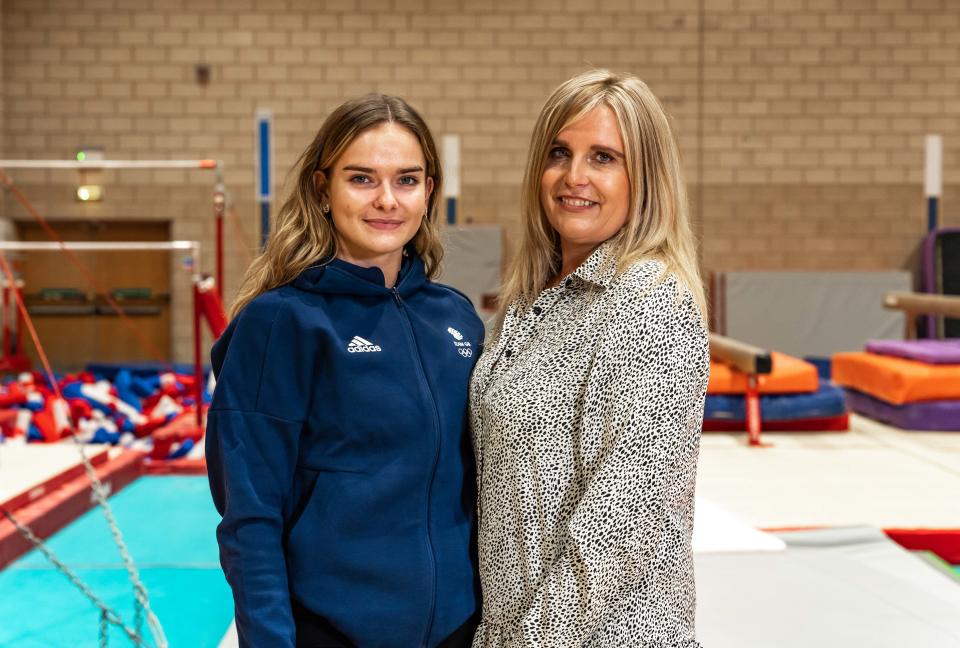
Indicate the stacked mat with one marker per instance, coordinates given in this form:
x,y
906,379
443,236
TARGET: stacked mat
x,y
792,397
911,384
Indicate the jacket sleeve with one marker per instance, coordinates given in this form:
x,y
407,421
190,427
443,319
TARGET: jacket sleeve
x,y
632,529
253,431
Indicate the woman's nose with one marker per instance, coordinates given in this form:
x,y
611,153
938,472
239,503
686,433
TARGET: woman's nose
x,y
385,200
576,175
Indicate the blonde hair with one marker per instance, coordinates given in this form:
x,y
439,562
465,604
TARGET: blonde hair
x,y
302,236
660,228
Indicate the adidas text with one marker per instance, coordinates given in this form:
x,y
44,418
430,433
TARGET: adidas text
x,y
360,345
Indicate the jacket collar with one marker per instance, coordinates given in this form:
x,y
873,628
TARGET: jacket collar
x,y
338,277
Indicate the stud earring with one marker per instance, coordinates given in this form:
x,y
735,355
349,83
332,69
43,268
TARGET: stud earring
x,y
325,208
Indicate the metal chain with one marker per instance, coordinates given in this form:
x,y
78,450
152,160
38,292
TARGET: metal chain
x,y
104,638
106,613
142,602
139,591
138,617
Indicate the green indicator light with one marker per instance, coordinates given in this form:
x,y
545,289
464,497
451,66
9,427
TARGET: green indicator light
x,y
81,156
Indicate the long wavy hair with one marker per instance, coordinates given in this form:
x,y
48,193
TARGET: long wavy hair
x,y
659,226
302,236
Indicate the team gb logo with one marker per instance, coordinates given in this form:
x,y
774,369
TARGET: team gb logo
x,y
463,348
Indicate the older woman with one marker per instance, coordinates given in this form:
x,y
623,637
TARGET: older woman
x,y
337,439
588,401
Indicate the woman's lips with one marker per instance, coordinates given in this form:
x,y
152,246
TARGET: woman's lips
x,y
575,205
383,224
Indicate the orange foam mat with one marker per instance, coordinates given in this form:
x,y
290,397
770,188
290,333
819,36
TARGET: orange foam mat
x,y
789,376
896,380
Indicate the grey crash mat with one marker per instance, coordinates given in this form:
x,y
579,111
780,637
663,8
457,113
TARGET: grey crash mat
x,y
809,313
472,260
841,588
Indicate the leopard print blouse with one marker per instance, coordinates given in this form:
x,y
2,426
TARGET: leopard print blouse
x,y
586,411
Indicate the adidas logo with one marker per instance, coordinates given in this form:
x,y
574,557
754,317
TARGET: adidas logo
x,y
359,345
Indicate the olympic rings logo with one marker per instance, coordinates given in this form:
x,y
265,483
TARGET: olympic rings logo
x,y
466,353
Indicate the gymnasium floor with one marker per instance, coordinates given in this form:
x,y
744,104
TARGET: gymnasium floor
x,y
843,583
872,477
874,474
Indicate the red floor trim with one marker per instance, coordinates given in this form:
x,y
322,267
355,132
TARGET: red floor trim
x,y
175,467
55,482
943,542
48,514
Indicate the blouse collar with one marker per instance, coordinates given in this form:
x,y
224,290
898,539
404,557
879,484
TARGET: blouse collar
x,y
600,268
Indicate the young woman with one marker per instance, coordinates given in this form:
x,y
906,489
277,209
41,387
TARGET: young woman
x,y
587,404
336,441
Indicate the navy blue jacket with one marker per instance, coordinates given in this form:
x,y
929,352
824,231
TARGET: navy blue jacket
x,y
339,457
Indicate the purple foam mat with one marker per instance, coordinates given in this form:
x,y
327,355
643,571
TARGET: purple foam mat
x,y
942,415
929,351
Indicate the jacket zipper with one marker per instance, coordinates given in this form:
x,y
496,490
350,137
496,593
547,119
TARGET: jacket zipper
x,y
436,456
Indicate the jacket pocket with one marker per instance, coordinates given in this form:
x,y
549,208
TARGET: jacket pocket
x,y
304,485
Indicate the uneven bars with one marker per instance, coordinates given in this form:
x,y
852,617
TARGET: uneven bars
x,y
98,245
109,164
118,246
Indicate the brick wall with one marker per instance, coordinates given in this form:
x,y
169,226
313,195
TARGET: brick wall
x,y
813,111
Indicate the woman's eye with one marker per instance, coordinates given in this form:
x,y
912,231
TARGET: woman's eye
x,y
603,158
409,180
558,152
360,179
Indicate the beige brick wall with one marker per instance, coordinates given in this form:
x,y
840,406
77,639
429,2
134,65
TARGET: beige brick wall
x,y
814,111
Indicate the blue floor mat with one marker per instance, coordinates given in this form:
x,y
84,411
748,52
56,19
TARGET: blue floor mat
x,y
168,523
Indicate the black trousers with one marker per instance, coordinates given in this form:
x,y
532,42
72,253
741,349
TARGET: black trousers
x,y
316,632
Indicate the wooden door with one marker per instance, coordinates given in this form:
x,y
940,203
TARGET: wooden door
x,y
77,331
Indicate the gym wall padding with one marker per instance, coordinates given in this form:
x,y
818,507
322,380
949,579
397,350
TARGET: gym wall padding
x,y
473,255
809,313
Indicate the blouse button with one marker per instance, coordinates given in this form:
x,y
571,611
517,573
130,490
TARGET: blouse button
x,y
508,353
568,283
537,310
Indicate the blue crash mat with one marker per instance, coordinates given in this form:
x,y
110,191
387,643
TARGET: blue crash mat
x,y
828,400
